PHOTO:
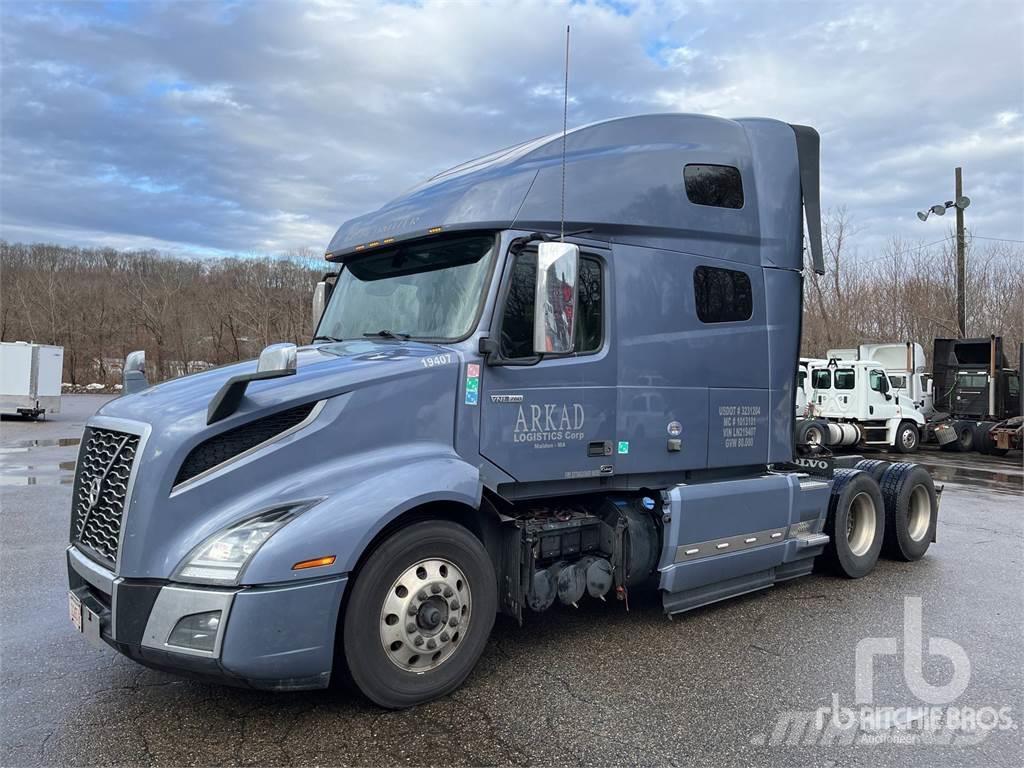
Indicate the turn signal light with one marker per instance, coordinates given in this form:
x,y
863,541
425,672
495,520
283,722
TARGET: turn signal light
x,y
315,563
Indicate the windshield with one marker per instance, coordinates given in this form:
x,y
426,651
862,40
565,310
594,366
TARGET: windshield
x,y
430,291
972,380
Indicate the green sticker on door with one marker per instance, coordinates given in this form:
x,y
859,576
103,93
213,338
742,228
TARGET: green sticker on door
x,y
623,446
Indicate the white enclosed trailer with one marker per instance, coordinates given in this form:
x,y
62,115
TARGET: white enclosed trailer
x,y
30,378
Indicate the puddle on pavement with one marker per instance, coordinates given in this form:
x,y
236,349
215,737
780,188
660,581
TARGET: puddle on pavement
x,y
992,480
56,473
24,446
36,480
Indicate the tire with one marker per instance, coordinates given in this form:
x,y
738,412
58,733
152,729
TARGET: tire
x,y
817,434
402,674
983,438
911,511
999,451
857,514
965,439
812,433
907,437
874,467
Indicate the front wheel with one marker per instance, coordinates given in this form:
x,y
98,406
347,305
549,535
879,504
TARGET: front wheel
x,y
419,614
907,437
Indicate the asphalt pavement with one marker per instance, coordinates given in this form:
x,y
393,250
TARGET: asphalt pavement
x,y
743,682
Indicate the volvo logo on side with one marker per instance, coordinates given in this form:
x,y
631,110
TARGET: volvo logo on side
x,y
506,398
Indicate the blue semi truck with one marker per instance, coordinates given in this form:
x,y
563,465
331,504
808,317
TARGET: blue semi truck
x,y
505,407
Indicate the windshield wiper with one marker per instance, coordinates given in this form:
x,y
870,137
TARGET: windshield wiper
x,y
386,334
326,338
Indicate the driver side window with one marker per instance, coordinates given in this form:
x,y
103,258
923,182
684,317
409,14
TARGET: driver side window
x,y
878,381
517,319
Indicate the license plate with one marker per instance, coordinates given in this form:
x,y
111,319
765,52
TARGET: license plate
x,y
75,610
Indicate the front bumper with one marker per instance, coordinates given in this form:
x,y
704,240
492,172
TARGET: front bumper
x,y
278,637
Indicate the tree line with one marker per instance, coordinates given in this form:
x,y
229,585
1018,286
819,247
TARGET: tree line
x,y
907,292
192,313
187,313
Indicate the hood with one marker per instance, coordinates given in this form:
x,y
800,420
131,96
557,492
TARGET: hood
x,y
322,371
380,397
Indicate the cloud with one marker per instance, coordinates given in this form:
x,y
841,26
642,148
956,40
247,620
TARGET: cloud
x,y
263,126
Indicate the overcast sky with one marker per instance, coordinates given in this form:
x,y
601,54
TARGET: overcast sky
x,y
261,126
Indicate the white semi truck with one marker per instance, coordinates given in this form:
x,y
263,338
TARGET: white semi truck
x,y
904,364
854,403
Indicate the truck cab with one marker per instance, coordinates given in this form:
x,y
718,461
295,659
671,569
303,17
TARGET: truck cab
x,y
859,393
501,410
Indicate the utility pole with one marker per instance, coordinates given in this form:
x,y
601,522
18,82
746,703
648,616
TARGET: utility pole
x,y
961,261
939,209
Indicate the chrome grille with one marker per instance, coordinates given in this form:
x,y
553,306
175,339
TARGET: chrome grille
x,y
101,490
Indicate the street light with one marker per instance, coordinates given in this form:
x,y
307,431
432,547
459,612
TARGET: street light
x,y
960,202
939,209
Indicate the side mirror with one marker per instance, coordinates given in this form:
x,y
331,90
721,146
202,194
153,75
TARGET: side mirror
x,y
554,308
277,357
133,374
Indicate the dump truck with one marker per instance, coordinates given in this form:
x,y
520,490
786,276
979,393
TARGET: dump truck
x,y
557,373
975,388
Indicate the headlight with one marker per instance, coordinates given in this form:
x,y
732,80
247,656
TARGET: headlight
x,y
222,557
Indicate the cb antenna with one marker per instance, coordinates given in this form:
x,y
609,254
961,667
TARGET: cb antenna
x,y
565,123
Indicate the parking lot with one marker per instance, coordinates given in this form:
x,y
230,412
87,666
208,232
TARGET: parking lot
x,y
596,686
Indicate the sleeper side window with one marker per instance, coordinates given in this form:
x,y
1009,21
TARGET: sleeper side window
x,y
722,295
517,320
821,378
845,378
719,186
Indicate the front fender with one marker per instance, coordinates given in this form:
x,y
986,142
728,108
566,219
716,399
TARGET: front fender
x,y
347,520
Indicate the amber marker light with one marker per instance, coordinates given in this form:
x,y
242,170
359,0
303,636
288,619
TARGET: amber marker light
x,y
315,563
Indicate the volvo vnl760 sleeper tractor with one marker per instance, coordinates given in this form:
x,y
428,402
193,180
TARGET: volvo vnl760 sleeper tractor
x,y
491,420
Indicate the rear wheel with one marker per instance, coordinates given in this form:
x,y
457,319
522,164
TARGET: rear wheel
x,y
911,511
874,467
419,614
855,524
907,437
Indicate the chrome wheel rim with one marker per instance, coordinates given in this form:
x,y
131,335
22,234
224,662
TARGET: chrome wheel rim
x,y
919,513
909,440
425,615
860,524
